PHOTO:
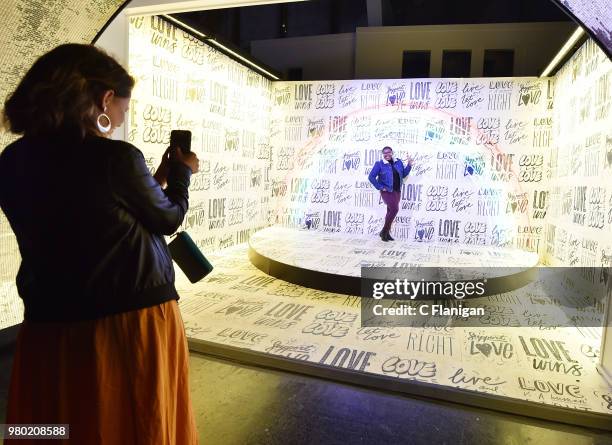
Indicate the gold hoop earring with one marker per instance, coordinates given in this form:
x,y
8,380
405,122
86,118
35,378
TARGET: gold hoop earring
x,y
104,128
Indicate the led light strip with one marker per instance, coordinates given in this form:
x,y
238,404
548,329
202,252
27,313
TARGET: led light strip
x,y
238,56
568,45
219,45
184,25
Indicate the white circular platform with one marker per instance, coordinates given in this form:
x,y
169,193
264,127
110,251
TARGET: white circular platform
x,y
334,261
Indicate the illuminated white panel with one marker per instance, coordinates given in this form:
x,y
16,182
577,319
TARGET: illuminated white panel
x,y
183,83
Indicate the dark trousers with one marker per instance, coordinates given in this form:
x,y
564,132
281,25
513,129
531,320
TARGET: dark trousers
x,y
392,200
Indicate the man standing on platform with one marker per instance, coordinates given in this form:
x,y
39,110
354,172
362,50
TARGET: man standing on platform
x,y
387,176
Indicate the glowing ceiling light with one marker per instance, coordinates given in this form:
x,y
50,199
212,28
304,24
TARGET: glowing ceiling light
x,y
238,56
219,45
184,25
561,54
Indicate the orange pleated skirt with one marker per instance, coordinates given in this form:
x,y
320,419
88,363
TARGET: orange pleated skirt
x,y
121,379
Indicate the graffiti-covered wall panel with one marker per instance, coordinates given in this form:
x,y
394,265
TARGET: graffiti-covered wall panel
x,y
183,83
579,221
480,150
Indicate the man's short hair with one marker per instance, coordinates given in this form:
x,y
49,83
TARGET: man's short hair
x,y
386,148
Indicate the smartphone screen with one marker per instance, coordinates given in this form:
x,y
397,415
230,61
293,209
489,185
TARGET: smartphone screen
x,y
181,139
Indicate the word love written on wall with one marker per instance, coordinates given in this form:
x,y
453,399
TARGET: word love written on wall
x,y
480,150
248,309
491,157
183,83
579,223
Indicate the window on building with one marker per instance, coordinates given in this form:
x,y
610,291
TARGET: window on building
x,y
416,64
498,63
456,63
294,74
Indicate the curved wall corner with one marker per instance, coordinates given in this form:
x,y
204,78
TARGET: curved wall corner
x,y
29,28
593,15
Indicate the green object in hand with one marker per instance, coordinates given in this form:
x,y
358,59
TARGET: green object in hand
x,y
189,258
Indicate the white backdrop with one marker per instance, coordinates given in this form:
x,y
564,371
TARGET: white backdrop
x,y
520,162
579,224
480,148
183,83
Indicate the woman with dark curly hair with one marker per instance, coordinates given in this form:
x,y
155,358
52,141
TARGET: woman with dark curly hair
x,y
102,346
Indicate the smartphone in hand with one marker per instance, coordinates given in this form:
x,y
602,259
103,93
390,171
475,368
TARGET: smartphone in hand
x,y
182,139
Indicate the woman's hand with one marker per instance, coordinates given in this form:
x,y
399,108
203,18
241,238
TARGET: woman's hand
x,y
161,174
409,160
189,159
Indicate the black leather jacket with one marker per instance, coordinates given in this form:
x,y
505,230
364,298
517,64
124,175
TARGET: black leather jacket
x,y
89,220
